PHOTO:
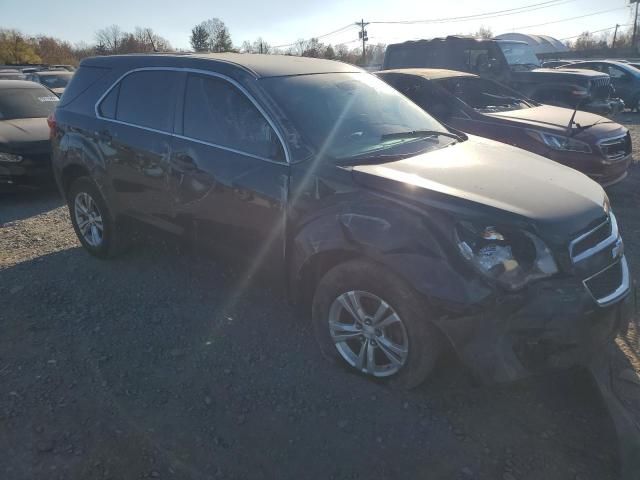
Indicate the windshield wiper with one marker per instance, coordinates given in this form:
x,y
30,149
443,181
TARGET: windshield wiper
x,y
420,133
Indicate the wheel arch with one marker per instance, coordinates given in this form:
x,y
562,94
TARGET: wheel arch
x,y
70,173
407,248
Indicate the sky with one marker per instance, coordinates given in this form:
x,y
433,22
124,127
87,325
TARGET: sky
x,y
282,22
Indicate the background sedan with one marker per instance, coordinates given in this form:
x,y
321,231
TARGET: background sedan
x,y
592,144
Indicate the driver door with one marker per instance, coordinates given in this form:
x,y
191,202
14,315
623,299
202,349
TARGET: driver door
x,y
228,174
622,82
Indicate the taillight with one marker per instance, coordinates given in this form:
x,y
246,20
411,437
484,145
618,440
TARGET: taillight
x,y
53,126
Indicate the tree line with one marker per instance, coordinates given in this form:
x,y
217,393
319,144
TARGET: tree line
x,y
18,48
602,40
213,35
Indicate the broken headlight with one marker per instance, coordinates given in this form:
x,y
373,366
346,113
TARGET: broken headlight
x,y
560,142
511,257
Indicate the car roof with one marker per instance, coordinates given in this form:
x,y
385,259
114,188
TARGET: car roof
x,y
429,73
258,65
20,84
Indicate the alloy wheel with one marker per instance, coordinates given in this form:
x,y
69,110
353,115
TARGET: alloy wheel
x,y
88,219
368,333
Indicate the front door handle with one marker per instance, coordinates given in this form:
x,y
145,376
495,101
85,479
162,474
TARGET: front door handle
x,y
104,136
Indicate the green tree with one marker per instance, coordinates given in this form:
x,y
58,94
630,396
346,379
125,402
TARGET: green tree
x,y
16,48
329,53
484,33
52,50
314,48
199,38
219,36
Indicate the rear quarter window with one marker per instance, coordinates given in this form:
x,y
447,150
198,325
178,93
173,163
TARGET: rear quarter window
x,y
83,78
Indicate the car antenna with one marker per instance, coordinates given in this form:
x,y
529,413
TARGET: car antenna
x,y
571,120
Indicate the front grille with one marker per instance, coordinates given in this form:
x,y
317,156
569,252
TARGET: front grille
x,y
600,234
616,148
594,240
609,284
601,88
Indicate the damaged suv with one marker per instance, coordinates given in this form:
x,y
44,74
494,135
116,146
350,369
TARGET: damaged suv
x,y
401,236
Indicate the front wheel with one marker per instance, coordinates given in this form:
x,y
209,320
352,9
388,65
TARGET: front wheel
x,y
369,319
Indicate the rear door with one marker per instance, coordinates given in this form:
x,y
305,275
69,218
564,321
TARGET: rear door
x,y
138,118
229,176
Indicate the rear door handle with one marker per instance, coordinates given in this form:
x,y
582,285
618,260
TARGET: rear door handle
x,y
185,162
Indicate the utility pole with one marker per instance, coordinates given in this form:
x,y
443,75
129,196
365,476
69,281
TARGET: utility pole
x,y
615,34
635,24
363,36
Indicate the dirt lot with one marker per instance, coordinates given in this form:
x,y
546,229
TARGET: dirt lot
x,y
166,364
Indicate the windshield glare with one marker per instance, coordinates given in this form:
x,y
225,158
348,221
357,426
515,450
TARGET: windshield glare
x,y
345,115
26,103
518,53
485,95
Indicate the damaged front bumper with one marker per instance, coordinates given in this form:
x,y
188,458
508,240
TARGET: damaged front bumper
x,y
553,324
608,107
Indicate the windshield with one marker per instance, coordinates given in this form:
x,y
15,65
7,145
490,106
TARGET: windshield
x,y
484,95
518,53
26,103
344,115
55,81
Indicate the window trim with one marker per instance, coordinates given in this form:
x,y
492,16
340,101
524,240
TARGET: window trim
x,y
233,82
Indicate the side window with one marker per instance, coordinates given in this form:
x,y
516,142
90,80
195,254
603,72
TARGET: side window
x,y
477,60
108,105
216,111
616,72
148,98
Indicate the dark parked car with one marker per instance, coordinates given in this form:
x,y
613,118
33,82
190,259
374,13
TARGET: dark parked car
x,y
11,74
624,77
54,80
511,63
593,145
25,152
397,234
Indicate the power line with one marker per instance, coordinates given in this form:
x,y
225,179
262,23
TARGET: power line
x,y
339,30
596,31
570,18
486,15
482,16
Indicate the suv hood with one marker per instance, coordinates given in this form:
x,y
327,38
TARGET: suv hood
x,y
478,176
24,135
548,117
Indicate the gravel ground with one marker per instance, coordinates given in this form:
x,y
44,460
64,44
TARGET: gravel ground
x,y
171,364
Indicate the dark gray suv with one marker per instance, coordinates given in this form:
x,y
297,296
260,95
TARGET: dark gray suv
x,y
401,237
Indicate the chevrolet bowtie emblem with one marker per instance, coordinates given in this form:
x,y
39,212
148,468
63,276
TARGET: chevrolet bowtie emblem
x,y
618,249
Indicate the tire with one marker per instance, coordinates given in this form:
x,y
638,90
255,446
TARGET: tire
x,y
410,329
110,243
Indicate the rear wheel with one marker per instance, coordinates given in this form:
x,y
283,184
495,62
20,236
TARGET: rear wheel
x,y
369,319
92,219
